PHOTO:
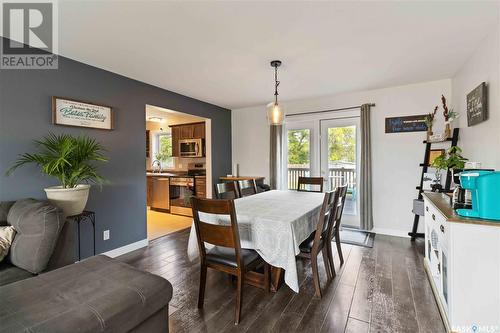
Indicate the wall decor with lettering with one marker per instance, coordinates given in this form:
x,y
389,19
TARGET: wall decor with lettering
x,y
405,124
70,112
477,108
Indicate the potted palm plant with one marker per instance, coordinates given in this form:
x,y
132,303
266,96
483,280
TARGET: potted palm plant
x,y
71,160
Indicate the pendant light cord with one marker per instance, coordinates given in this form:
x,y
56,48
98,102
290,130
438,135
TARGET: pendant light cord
x,y
276,84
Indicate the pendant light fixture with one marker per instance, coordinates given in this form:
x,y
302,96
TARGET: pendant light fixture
x,y
275,113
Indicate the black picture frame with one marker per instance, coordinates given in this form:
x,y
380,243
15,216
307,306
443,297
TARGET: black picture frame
x,y
477,105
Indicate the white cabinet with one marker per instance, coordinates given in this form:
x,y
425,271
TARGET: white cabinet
x,y
462,259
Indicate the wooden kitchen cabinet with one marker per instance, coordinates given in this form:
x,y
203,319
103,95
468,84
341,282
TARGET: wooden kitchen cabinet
x,y
200,183
176,132
149,191
187,131
199,131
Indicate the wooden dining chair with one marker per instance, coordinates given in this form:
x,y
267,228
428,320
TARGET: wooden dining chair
x,y
247,187
227,190
319,241
226,255
305,184
337,219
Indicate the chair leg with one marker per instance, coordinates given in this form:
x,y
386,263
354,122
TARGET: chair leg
x,y
324,253
203,280
330,258
239,298
267,276
314,264
339,247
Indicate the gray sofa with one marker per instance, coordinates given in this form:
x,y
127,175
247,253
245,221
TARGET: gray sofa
x,y
44,241
98,294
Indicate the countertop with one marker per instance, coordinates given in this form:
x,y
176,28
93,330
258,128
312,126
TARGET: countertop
x,y
442,203
172,174
165,174
242,178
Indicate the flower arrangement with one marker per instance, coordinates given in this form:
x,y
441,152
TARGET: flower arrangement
x,y
449,116
429,121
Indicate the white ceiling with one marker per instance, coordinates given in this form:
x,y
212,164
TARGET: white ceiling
x,y
219,52
170,117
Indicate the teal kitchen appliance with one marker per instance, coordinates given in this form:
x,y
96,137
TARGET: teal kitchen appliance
x,y
484,187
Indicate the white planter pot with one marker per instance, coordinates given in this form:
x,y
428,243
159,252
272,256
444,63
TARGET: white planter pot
x,y
71,200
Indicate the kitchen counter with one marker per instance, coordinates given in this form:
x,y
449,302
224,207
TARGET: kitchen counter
x,y
234,178
166,174
442,203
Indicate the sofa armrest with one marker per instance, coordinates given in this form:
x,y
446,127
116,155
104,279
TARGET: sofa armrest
x,y
66,250
4,211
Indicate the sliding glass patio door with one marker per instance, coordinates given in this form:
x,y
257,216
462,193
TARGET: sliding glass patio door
x,y
339,155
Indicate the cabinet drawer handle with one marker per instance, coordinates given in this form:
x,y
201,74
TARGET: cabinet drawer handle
x,y
427,208
434,217
441,227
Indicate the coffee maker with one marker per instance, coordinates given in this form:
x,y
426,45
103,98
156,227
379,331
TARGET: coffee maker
x,y
461,198
484,187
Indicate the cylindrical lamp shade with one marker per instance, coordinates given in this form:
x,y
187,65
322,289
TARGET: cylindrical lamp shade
x,y
275,114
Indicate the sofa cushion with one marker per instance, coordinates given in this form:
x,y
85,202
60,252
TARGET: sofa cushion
x,y
7,234
38,224
98,294
10,273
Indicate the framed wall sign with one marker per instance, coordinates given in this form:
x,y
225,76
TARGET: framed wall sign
x,y
70,112
405,124
477,108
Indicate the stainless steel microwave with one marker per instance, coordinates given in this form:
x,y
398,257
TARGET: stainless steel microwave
x,y
191,148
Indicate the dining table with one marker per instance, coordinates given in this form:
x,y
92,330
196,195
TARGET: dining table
x,y
273,223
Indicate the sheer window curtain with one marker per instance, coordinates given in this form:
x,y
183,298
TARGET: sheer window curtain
x,y
365,183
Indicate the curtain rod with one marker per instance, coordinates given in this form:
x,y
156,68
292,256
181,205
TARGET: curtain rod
x,y
340,109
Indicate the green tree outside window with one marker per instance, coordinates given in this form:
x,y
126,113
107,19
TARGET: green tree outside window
x,y
298,146
342,144
164,154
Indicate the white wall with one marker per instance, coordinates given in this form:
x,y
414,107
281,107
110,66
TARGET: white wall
x,y
396,157
480,142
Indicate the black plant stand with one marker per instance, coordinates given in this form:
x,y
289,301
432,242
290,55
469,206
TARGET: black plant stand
x,y
428,145
81,218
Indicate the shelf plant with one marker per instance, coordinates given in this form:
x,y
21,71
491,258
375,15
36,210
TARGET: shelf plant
x,y
71,160
429,122
450,160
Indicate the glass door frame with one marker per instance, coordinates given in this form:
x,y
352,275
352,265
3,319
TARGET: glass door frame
x,y
313,127
348,220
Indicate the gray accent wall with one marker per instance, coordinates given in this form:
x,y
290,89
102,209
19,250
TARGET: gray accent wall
x,y
25,114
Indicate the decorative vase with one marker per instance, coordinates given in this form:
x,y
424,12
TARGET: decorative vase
x,y
447,131
72,201
429,133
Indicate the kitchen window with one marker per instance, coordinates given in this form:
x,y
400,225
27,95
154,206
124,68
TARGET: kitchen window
x,y
164,150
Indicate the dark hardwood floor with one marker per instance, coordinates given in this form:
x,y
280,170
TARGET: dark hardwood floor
x,y
383,289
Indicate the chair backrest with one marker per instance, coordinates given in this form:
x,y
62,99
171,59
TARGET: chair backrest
x,y
311,181
216,234
247,187
325,218
340,204
227,190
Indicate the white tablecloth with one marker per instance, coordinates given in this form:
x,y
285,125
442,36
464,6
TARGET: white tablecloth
x,y
273,223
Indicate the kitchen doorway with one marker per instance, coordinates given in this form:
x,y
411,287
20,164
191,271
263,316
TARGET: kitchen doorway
x,y
178,166
327,148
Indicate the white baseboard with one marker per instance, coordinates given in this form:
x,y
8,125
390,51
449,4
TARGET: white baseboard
x,y
390,232
127,248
